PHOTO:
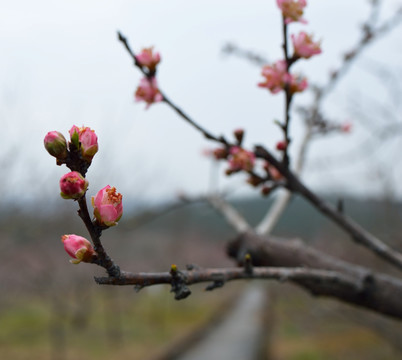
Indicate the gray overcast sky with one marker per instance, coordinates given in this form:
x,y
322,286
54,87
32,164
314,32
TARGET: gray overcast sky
x,y
61,64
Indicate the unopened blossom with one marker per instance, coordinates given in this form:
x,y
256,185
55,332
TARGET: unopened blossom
x,y
148,91
108,207
275,76
240,159
73,185
255,180
281,145
220,153
148,58
239,134
304,46
56,144
273,171
292,10
79,248
346,127
86,140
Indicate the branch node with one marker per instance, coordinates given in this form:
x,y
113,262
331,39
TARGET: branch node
x,y
248,264
179,286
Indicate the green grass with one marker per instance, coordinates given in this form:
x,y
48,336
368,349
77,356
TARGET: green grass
x,y
119,326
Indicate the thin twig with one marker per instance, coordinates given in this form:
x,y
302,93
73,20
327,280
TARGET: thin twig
x,y
102,258
195,276
281,202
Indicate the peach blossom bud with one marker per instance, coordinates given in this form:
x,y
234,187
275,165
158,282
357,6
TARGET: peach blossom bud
x,y
304,46
85,139
239,134
148,91
56,144
254,180
281,145
265,190
240,159
292,10
108,207
79,248
346,127
148,59
220,153
73,185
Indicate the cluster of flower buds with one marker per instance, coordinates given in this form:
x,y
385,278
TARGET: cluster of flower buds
x,y
77,155
240,159
277,78
83,144
148,90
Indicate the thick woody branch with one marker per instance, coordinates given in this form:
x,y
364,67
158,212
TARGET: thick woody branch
x,y
359,235
378,292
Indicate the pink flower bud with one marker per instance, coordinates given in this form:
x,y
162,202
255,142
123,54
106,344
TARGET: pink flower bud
x,y
239,134
148,91
292,10
273,172
281,145
79,248
85,139
346,127
108,207
148,59
220,153
304,46
56,144
240,159
73,185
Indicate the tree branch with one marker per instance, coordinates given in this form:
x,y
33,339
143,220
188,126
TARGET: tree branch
x,y
379,292
359,235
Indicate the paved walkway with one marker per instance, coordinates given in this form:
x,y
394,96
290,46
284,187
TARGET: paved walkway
x,y
238,336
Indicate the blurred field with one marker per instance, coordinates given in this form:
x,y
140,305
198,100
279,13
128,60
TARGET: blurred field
x,y
306,328
112,325
53,310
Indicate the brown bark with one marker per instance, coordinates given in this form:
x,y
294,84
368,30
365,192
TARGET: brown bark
x,y
379,292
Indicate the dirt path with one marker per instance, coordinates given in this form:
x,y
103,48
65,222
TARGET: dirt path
x,y
238,336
